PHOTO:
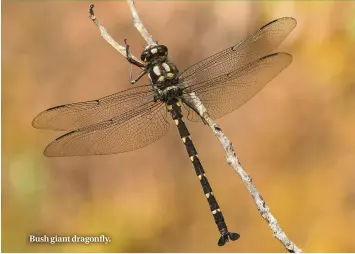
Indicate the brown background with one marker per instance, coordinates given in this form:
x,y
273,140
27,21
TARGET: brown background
x,y
296,137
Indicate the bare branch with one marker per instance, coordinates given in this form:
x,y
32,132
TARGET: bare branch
x,y
233,161
107,36
139,25
247,180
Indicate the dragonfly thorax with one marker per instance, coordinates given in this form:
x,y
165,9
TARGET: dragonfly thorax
x,y
163,74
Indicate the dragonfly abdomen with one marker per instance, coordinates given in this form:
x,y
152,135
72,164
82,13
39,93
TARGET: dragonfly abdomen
x,y
174,108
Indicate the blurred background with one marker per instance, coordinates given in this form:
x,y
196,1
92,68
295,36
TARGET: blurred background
x,y
295,138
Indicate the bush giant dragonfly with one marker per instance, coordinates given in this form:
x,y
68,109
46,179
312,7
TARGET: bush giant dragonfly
x,y
134,118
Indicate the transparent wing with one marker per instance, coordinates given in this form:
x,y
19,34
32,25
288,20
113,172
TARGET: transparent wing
x,y
78,115
227,92
260,44
133,130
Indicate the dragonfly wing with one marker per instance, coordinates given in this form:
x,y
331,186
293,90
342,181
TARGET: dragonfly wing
x,y
227,92
78,115
133,130
259,44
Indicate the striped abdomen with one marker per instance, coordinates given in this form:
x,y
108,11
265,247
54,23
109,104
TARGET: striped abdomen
x,y
174,108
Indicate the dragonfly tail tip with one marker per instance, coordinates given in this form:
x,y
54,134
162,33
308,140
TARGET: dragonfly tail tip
x,y
228,236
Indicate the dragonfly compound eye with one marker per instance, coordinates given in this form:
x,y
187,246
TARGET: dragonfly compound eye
x,y
146,55
163,50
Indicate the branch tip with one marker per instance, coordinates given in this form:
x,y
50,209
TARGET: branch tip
x,y
91,12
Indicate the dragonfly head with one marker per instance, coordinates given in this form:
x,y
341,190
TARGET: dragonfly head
x,y
152,52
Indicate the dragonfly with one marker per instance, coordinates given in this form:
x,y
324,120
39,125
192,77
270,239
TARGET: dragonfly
x,y
136,117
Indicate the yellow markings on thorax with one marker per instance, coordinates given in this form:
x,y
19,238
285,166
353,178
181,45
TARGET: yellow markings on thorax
x,y
170,75
166,67
156,70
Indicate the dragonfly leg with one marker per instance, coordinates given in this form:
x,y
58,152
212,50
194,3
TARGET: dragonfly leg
x,y
139,76
131,59
136,63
